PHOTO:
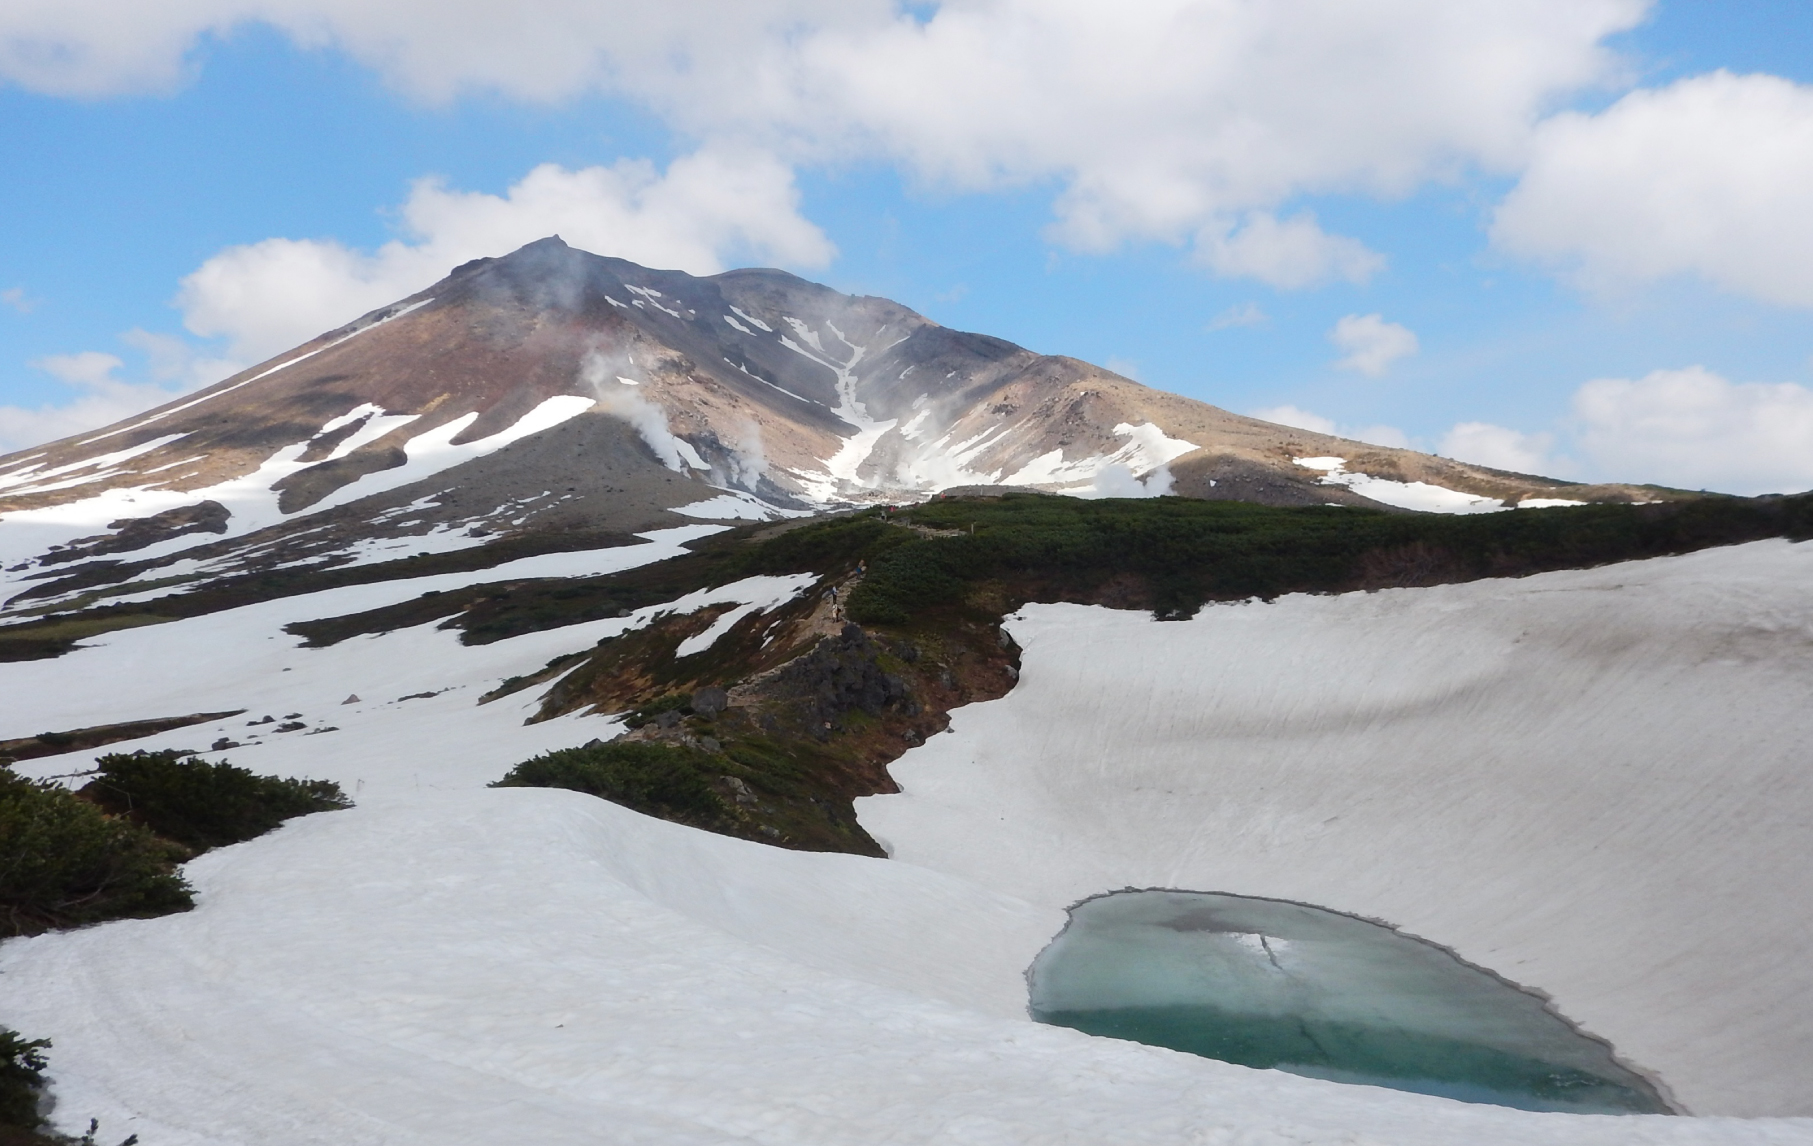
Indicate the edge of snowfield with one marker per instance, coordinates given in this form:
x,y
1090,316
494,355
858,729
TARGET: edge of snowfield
x,y
451,964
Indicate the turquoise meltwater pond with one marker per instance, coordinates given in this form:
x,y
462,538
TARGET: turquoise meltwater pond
x,y
1266,983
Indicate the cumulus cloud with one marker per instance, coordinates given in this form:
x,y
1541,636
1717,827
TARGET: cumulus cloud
x,y
1371,343
1177,120
266,297
1290,254
1695,429
98,396
1710,176
1688,428
432,50
1378,435
1500,447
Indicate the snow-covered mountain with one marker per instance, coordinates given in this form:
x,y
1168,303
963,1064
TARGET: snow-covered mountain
x,y
553,390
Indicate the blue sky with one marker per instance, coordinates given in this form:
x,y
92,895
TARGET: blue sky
x,y
1588,251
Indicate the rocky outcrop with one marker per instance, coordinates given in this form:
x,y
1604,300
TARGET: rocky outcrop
x,y
134,533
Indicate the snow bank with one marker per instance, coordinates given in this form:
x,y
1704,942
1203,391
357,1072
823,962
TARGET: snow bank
x,y
1592,782
538,966
455,965
241,658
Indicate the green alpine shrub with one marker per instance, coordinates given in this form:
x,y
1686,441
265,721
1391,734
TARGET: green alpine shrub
x,y
662,780
203,805
64,862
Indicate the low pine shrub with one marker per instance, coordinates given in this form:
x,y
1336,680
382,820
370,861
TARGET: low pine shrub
x,y
64,862
202,805
662,780
22,1066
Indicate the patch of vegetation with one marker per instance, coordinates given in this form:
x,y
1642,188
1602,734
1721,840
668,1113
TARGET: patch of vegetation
x,y
203,805
517,683
58,633
1174,554
22,1066
64,862
680,702
669,781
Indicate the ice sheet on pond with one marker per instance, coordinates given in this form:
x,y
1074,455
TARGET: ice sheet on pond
x,y
1267,983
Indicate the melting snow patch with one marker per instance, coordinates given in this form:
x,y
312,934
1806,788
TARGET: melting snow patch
x,y
1404,495
104,464
433,451
751,320
758,594
737,504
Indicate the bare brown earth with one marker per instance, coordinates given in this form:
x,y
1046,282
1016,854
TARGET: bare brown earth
x,y
814,711
99,735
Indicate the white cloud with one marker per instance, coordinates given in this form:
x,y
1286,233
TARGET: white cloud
x,y
15,298
1500,447
1377,435
1694,429
100,397
1711,176
433,50
89,369
1125,367
1246,314
1371,343
1290,254
1690,429
1176,120
266,297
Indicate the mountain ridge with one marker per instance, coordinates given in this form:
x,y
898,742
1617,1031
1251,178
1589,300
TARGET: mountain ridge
x,y
551,390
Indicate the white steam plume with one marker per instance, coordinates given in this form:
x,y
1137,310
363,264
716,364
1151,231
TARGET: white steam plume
x,y
611,377
1117,480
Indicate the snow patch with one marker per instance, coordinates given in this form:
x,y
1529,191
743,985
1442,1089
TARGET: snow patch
x,y
752,320
1404,495
758,594
1546,503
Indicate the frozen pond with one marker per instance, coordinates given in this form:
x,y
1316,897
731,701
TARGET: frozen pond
x,y
1266,983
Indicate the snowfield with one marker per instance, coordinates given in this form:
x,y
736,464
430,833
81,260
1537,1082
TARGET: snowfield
x,y
1592,782
1588,781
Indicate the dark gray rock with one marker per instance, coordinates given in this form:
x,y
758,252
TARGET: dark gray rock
x,y
710,701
